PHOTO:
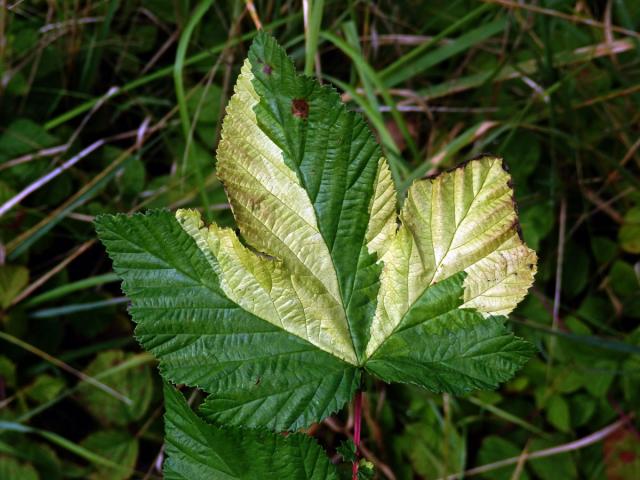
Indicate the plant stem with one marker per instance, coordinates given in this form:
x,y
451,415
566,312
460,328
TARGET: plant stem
x,y
357,406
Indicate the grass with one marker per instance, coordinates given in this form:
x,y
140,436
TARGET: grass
x,y
128,97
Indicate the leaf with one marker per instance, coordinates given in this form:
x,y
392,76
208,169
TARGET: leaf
x,y
7,372
11,469
196,449
204,339
459,350
629,233
278,326
21,137
623,279
308,185
554,467
458,249
583,407
13,278
434,447
558,413
44,388
347,450
116,445
40,455
494,449
134,383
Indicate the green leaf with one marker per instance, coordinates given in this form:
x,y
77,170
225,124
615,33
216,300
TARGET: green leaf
x,y
13,278
623,279
347,450
116,445
39,455
434,447
558,413
494,449
45,388
583,407
7,371
600,375
21,137
11,469
460,350
134,383
291,148
629,235
554,467
196,449
253,368
327,280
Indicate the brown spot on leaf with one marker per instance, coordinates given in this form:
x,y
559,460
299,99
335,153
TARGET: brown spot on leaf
x,y
627,457
300,108
267,69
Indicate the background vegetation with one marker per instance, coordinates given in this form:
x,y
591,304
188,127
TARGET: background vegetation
x,y
110,105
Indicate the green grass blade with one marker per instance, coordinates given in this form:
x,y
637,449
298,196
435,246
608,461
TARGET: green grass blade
x,y
312,33
158,74
77,307
178,68
63,443
68,288
418,60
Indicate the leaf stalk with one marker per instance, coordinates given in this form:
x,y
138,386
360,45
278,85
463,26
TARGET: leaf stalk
x,y
357,424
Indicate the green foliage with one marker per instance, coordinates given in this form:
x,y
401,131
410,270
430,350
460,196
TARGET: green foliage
x,y
210,332
134,383
552,91
244,357
11,469
199,450
117,446
13,278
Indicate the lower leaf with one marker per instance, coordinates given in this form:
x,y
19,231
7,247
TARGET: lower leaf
x,y
443,348
196,449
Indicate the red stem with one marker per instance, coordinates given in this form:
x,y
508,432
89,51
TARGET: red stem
x,y
357,407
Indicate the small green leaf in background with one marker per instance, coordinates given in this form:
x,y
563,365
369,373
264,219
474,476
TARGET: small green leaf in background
x,y
575,273
623,279
11,469
558,413
115,445
134,383
629,235
132,179
347,450
582,407
13,278
604,249
7,371
495,448
524,149
39,455
21,137
599,376
45,388
433,447
553,467
536,222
